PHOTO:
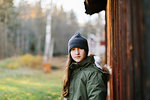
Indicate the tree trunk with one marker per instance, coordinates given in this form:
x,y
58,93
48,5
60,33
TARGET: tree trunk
x,y
48,48
1,42
47,53
18,43
39,44
5,31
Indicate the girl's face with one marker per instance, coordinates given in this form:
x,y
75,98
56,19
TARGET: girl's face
x,y
77,54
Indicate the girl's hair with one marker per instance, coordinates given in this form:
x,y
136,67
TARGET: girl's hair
x,y
67,79
65,90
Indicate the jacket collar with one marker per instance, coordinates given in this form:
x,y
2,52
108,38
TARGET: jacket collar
x,y
87,61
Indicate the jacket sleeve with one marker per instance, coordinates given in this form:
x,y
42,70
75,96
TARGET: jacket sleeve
x,y
96,89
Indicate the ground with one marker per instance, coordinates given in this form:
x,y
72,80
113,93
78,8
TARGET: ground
x,y
26,83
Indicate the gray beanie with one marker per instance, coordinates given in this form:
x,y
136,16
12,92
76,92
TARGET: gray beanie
x,y
78,41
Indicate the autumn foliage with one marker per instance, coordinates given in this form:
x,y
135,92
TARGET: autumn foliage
x,y
26,60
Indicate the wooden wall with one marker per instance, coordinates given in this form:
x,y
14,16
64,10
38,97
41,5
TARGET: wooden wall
x,y
127,49
146,21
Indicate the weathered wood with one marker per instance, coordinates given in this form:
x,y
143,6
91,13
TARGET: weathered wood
x,y
109,45
146,50
124,49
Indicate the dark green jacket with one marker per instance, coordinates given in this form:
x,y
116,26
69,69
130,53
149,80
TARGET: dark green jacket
x,y
88,82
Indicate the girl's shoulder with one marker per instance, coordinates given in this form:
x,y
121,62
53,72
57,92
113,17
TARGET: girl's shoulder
x,y
92,69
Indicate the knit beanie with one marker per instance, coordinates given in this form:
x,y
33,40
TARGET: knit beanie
x,y
78,41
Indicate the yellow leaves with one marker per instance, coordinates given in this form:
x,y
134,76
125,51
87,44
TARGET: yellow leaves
x,y
27,60
31,61
3,88
8,88
13,65
38,89
33,12
54,93
28,94
6,95
49,91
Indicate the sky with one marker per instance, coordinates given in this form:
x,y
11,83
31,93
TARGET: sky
x,y
76,5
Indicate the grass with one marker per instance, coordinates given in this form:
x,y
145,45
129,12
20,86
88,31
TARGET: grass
x,y
30,84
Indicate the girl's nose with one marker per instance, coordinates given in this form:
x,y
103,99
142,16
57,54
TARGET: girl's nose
x,y
77,51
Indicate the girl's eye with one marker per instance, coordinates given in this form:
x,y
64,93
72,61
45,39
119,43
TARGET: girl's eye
x,y
72,49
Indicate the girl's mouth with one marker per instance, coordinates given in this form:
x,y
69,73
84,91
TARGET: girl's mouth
x,y
77,57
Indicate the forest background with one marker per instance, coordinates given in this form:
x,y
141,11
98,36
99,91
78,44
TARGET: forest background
x,y
22,47
23,28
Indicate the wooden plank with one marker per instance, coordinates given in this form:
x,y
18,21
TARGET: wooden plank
x,y
124,42
146,51
109,46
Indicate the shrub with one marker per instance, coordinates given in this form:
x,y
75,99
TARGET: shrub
x,y
26,60
13,65
29,60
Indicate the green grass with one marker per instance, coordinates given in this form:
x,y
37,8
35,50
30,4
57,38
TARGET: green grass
x,y
30,84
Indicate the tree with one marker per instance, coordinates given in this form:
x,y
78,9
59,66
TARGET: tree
x,y
40,25
64,24
5,10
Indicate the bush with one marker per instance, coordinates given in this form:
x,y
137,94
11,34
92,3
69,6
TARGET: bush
x,y
13,65
29,60
26,60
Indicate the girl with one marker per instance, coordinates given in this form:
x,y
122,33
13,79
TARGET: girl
x,y
83,80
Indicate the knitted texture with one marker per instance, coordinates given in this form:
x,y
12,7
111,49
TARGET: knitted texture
x,y
78,41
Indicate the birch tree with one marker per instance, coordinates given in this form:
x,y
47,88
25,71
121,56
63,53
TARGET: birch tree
x,y
48,47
